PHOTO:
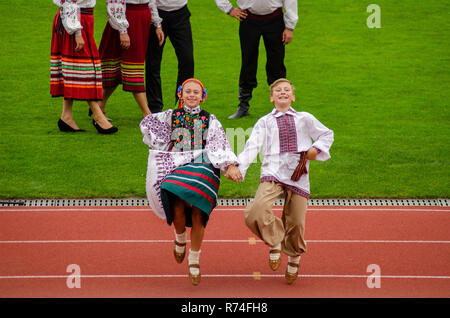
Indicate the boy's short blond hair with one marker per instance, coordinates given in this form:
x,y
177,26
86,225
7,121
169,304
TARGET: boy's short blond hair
x,y
278,81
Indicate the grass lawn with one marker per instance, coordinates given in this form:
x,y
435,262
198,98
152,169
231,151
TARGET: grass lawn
x,y
384,91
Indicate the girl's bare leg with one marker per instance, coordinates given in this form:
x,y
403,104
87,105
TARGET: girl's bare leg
x,y
198,229
179,218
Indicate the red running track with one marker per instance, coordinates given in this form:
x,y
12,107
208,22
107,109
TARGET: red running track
x,y
127,252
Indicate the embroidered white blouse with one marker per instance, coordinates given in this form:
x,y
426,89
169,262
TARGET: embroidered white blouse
x,y
263,7
70,9
117,13
157,130
279,163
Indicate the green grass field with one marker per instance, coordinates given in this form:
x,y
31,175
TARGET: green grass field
x,y
384,91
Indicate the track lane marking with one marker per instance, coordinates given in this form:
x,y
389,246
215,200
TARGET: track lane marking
x,y
250,241
224,209
225,276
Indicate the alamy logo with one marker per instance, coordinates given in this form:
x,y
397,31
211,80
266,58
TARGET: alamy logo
x,y
74,279
374,20
374,279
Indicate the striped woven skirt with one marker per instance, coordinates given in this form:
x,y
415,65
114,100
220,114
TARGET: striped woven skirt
x,y
75,75
126,67
197,184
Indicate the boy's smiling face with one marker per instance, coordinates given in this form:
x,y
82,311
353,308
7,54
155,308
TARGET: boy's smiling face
x,y
282,96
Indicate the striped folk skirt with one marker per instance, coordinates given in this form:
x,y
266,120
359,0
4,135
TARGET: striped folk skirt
x,y
197,184
126,67
75,75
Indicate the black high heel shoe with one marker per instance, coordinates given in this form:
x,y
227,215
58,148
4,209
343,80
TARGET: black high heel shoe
x,y
66,128
108,131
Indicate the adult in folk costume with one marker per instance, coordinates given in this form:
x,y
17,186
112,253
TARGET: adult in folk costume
x,y
188,150
75,72
174,18
261,19
123,48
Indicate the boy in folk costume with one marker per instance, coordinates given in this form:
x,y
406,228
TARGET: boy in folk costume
x,y
285,137
75,72
123,47
188,150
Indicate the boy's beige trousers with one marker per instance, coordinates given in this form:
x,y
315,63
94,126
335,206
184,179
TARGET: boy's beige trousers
x,y
290,229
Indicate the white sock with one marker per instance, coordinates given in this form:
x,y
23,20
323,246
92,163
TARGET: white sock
x,y
292,259
180,238
193,258
275,256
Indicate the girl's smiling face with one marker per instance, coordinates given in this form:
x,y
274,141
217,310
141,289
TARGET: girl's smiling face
x,y
192,94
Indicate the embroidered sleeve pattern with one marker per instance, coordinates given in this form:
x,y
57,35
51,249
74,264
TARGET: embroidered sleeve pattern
x,y
70,15
156,130
217,146
156,20
117,15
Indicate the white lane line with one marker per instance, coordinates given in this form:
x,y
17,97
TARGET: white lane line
x,y
219,241
222,209
224,276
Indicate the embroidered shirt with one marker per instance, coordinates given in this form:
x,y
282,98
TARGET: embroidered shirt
x,y
273,134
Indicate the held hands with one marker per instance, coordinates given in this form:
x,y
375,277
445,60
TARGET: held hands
x,y
233,173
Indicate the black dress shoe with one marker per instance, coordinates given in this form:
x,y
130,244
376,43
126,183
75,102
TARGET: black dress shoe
x,y
108,131
239,113
66,128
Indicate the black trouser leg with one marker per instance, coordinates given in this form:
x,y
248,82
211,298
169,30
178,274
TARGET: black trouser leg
x,y
180,34
152,73
176,26
275,49
249,34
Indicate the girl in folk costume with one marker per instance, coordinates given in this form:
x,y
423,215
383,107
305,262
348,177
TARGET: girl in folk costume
x,y
124,46
188,150
75,70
